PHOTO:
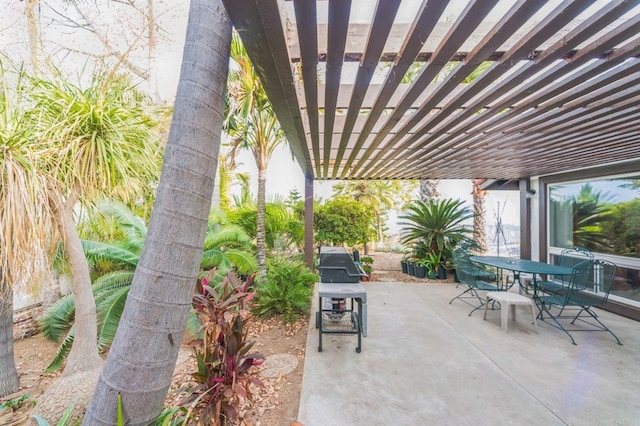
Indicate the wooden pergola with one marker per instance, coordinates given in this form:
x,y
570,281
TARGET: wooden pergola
x,y
500,90
442,89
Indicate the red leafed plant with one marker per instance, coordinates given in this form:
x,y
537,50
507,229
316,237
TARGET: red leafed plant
x,y
223,376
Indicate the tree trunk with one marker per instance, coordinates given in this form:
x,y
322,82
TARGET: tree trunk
x,y
260,225
9,379
379,226
479,213
144,352
84,354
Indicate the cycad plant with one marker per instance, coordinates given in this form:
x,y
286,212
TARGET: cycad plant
x,y
113,263
437,225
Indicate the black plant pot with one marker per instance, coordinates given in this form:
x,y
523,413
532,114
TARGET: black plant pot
x,y
442,273
403,265
411,269
421,271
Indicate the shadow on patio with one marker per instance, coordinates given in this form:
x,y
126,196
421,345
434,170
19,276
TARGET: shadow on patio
x,y
425,361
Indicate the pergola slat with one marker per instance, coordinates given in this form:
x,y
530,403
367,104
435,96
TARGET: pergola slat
x,y
426,19
468,20
306,19
382,22
561,92
336,38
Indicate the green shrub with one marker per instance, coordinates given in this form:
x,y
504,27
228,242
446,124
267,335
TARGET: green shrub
x,y
286,290
367,264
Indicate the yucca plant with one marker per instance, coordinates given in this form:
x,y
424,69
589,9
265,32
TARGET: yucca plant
x,y
222,353
226,247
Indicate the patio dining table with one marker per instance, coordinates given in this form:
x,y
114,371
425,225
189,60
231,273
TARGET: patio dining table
x,y
518,266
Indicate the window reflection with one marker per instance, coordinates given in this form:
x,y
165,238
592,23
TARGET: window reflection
x,y
602,216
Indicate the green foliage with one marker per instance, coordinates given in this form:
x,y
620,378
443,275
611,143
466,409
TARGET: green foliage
x,y
222,354
624,228
343,220
283,226
114,263
172,416
432,262
286,290
367,264
15,403
591,210
435,226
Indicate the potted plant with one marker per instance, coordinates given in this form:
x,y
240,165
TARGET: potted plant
x,y
403,264
435,227
411,267
433,263
421,268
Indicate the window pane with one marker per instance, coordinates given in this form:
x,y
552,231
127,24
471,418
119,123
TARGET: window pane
x,y
602,216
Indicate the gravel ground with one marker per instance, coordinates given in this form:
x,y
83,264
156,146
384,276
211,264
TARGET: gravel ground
x,y
387,261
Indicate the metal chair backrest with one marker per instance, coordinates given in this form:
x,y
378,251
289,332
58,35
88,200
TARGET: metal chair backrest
x,y
591,283
572,256
601,279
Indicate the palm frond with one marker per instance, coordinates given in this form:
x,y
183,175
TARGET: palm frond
x,y
244,262
109,317
97,251
61,353
58,319
125,218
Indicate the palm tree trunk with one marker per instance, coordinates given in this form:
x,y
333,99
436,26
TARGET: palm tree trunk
x,y
479,213
261,225
84,354
9,379
144,352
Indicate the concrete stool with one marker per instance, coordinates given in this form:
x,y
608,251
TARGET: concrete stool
x,y
509,300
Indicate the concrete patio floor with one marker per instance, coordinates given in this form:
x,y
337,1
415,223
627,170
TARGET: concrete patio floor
x,y
426,362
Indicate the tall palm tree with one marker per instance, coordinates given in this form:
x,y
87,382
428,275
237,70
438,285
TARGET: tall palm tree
x,y
101,142
141,360
253,125
24,218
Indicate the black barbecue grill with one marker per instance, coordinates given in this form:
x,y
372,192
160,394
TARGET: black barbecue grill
x,y
336,266
334,315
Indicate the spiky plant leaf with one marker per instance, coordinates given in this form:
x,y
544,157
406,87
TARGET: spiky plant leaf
x,y
109,317
61,353
56,321
97,251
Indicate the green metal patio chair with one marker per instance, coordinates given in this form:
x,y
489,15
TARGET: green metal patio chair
x,y
568,257
589,286
474,278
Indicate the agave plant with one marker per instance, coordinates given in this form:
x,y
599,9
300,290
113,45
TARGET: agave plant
x,y
226,247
